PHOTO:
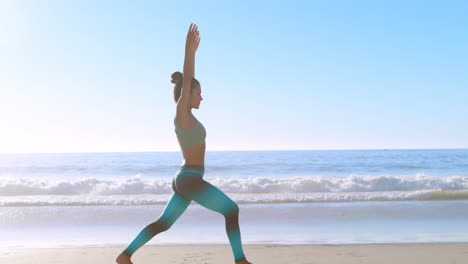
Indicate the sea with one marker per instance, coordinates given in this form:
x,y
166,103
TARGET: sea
x,y
290,197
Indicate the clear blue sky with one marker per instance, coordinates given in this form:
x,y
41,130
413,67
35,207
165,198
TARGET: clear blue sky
x,y
85,76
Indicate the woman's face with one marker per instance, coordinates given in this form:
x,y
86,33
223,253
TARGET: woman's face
x,y
196,97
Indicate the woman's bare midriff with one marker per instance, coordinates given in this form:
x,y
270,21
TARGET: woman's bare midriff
x,y
194,155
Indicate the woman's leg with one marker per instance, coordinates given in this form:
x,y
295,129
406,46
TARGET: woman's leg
x,y
174,209
214,199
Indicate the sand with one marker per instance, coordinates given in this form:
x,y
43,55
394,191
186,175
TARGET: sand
x,y
427,253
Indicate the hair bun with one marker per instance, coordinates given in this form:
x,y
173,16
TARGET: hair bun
x,y
176,77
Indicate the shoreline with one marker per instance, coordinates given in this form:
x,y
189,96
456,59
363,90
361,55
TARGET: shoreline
x,y
421,252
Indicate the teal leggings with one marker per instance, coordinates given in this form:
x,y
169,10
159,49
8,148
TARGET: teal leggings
x,y
188,185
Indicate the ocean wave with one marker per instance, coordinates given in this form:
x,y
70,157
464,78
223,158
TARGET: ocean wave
x,y
134,200
258,185
138,190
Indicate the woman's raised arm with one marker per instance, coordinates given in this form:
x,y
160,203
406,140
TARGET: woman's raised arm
x,y
191,46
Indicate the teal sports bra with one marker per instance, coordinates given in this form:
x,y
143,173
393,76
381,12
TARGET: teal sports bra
x,y
192,136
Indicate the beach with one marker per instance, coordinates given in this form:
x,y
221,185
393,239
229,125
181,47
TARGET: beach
x,y
427,253
326,132
399,206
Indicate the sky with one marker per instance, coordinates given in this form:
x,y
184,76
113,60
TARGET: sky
x,y
94,76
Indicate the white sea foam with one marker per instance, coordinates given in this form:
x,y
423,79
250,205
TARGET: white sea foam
x,y
140,191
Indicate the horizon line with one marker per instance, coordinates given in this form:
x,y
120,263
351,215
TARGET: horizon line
x,y
77,152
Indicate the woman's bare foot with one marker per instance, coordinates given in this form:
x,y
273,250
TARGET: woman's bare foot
x,y
123,259
245,261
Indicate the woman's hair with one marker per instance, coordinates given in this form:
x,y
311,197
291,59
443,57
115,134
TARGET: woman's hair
x,y
177,80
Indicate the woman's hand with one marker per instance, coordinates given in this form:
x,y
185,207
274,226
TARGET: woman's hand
x,y
193,39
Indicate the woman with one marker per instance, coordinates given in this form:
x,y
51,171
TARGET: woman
x,y
188,183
